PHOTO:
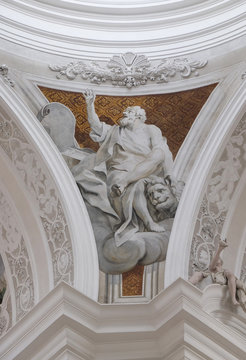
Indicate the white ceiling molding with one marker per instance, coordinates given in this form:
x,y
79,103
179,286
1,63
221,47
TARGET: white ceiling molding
x,y
113,6
180,323
26,85
217,302
129,70
98,30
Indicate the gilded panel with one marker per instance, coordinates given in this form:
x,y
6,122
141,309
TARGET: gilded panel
x,y
173,113
133,281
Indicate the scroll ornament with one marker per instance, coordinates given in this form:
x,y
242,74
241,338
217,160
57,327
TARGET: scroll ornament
x,y
129,70
4,73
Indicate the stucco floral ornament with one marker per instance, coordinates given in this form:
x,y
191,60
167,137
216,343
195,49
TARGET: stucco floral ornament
x,y
4,73
129,70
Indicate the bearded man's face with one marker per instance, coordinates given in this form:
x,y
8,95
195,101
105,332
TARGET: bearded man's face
x,y
128,119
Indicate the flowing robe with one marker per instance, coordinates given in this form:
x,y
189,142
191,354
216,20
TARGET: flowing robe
x,y
120,151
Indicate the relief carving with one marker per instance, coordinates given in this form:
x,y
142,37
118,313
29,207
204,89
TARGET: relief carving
x,y
39,185
127,184
13,246
129,70
216,201
4,73
22,278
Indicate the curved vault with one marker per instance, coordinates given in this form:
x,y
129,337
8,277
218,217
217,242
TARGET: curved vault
x,y
98,29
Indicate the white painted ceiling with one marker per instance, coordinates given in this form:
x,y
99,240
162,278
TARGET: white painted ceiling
x,y
98,29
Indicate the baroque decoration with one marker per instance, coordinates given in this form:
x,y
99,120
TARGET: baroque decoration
x,y
140,232
216,201
129,70
38,184
13,246
4,73
172,113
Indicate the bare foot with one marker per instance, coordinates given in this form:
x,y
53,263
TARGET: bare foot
x,y
152,226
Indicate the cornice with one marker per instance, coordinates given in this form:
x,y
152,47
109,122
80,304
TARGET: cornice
x,y
108,9
174,319
73,29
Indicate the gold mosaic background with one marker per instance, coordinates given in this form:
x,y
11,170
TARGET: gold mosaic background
x,y
133,281
173,113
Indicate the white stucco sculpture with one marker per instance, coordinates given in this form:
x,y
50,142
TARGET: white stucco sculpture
x,y
127,184
223,276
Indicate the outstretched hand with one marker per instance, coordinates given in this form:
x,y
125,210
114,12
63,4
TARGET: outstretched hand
x,y
89,96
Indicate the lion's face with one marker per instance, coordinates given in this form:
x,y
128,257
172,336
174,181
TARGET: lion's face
x,y
161,197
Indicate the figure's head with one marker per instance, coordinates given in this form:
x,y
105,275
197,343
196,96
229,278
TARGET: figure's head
x,y
161,195
131,114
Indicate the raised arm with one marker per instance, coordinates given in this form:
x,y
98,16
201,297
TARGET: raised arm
x,y
93,119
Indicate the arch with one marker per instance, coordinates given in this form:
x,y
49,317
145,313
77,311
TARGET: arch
x,y
230,110
57,206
